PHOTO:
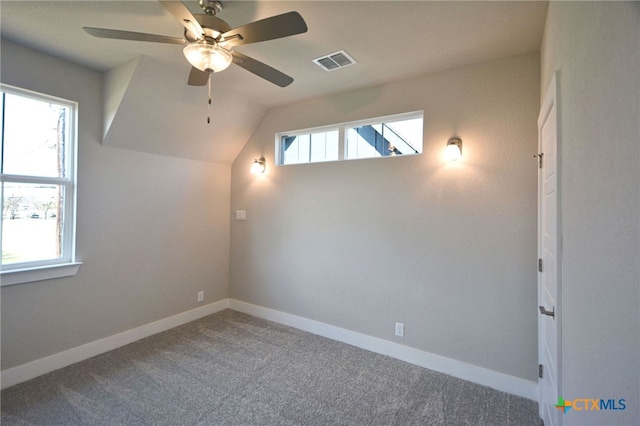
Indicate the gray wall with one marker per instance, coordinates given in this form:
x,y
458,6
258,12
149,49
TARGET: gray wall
x,y
596,48
448,249
152,231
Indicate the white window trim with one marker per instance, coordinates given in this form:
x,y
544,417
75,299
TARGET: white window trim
x,y
342,130
41,273
67,265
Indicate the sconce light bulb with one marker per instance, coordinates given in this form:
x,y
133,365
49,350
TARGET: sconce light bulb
x,y
453,152
257,167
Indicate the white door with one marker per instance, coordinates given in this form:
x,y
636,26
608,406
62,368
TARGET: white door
x,y
549,260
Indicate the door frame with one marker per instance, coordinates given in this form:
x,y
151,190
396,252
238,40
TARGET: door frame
x,y
550,100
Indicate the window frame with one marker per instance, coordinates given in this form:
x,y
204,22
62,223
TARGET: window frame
x,y
66,265
342,129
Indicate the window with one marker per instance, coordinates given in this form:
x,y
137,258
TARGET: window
x,y
382,137
37,169
310,147
385,138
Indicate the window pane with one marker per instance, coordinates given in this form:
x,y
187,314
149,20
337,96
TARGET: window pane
x,y
296,149
34,137
304,144
289,149
333,145
310,147
403,137
32,220
358,147
324,146
318,147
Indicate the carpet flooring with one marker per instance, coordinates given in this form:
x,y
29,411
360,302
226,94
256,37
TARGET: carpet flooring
x,y
233,369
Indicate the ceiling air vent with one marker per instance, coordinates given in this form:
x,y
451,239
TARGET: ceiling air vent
x,y
335,60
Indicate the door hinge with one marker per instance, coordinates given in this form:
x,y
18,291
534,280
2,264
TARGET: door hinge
x,y
539,265
539,159
540,371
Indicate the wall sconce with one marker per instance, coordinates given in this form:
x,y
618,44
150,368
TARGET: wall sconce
x,y
453,152
258,166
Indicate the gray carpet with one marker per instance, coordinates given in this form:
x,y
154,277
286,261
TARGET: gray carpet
x,y
233,369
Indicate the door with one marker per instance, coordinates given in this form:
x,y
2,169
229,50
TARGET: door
x,y
549,309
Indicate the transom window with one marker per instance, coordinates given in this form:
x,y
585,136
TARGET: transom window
x,y
310,147
37,169
382,137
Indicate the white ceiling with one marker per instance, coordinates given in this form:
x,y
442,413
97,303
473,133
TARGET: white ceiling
x,y
390,40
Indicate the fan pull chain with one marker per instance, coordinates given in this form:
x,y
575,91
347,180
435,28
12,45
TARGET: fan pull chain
x,y
209,105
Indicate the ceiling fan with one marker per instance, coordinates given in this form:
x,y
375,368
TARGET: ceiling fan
x,y
209,40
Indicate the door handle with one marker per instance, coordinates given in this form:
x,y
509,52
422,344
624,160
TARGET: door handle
x,y
551,313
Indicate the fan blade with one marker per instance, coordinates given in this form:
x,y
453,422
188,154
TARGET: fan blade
x,y
278,26
262,70
197,77
130,35
180,11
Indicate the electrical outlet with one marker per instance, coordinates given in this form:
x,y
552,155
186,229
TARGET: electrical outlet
x,y
201,296
399,329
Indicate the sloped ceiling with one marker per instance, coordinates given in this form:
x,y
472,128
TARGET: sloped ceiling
x,y
145,110
149,107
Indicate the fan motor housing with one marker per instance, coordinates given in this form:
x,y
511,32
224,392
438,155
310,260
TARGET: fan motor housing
x,y
210,7
211,25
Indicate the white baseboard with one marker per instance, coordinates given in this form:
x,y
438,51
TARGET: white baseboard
x,y
472,373
500,381
33,369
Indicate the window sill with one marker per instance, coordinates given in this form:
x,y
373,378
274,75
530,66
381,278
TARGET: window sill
x,y
27,275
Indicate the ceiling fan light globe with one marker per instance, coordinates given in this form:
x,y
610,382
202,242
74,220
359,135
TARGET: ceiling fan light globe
x,y
205,56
